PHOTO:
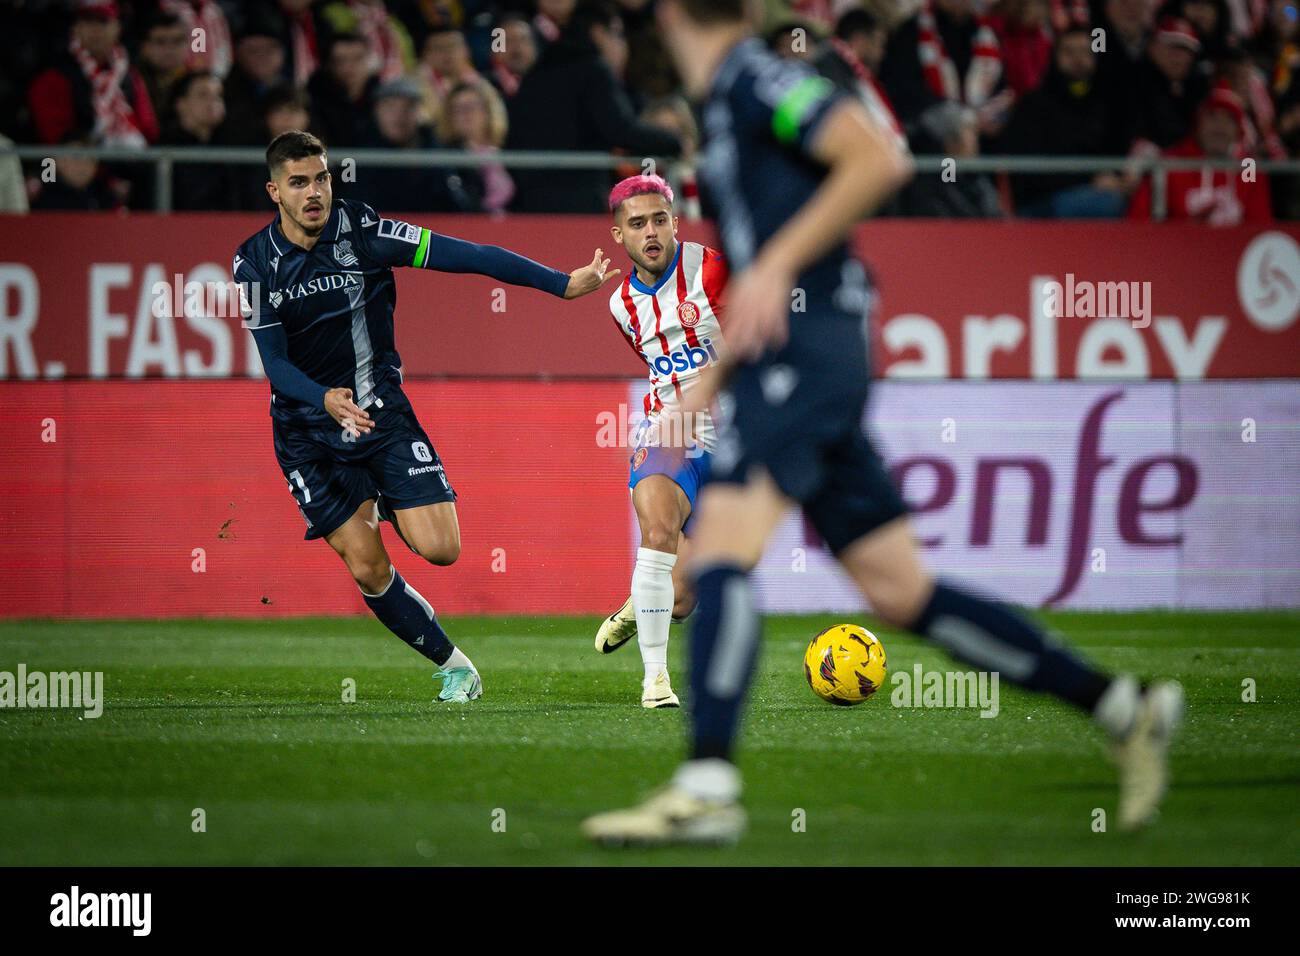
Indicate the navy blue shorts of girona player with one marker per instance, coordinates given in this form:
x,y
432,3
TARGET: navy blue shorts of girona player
x,y
798,413
331,474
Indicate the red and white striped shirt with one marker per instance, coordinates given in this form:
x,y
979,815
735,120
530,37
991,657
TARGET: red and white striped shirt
x,y
674,328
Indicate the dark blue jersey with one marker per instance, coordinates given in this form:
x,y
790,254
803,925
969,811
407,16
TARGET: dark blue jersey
x,y
323,318
760,120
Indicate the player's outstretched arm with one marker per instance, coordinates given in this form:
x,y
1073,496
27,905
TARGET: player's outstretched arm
x,y
446,254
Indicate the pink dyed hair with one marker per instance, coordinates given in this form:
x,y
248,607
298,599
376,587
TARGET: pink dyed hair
x,y
639,186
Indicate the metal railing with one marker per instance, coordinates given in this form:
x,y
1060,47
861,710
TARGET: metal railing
x,y
164,159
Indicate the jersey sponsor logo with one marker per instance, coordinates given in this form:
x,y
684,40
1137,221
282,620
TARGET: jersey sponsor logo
x,y
396,229
688,313
344,254
421,451
326,283
688,359
276,298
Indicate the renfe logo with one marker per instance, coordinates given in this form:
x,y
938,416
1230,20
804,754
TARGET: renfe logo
x,y
75,908
686,359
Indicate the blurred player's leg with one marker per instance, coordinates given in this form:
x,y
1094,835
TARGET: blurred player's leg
x,y
701,804
886,566
399,607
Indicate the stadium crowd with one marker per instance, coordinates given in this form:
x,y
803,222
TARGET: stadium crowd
x,y
956,78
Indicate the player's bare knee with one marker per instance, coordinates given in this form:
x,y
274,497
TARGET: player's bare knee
x,y
440,551
898,604
659,536
372,575
684,605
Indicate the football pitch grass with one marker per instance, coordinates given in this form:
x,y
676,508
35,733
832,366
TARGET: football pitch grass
x,y
246,722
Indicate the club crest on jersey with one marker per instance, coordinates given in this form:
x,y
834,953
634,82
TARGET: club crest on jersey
x,y
344,254
689,314
638,458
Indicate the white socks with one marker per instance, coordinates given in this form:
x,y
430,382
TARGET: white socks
x,y
712,779
652,599
457,659
1118,707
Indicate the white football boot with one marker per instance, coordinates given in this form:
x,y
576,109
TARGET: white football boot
x,y
617,629
669,816
1142,755
659,693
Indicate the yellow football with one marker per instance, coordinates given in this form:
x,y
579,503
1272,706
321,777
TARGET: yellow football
x,y
845,664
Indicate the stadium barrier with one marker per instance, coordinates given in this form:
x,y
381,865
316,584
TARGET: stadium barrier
x,y
162,161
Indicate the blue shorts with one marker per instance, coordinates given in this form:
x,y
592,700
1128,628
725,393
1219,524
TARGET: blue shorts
x,y
330,476
689,472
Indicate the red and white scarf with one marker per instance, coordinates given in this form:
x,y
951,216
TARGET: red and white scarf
x,y
385,51
872,94
218,48
115,119
941,74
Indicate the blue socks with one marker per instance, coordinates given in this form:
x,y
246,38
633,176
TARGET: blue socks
x,y
994,638
724,646
407,614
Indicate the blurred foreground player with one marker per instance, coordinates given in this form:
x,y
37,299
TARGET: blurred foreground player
x,y
667,308
790,166
317,291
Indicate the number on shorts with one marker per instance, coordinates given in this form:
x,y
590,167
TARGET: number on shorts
x,y
306,495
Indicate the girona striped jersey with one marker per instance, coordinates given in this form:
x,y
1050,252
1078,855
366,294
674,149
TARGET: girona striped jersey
x,y
673,327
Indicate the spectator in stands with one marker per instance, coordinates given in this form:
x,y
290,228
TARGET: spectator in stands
x,y
79,184
851,60
445,61
301,38
474,119
259,67
1277,48
553,18
215,54
1068,115
164,50
1209,18
1237,72
397,124
1216,197
672,113
951,129
571,100
516,57
391,52
13,190
92,87
342,93
1162,103
198,110
284,107
947,52
1025,40
1127,26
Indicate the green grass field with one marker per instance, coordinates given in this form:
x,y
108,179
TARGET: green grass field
x,y
246,721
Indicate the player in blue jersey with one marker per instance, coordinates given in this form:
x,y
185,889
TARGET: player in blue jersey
x,y
318,294
789,167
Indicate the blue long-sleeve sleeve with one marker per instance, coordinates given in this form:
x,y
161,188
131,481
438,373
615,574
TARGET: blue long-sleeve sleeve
x,y
446,254
286,378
